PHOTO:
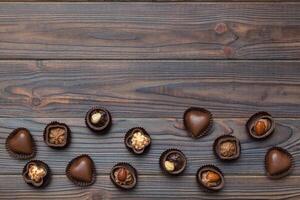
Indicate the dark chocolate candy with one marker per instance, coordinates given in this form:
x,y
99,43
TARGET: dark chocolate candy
x,y
98,120
20,144
124,176
173,161
260,125
197,121
81,170
137,140
227,147
278,162
36,173
57,135
210,178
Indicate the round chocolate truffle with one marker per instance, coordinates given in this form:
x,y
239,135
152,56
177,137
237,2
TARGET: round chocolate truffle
x,y
57,135
98,120
210,178
20,144
260,125
278,162
197,121
36,173
124,176
137,140
173,161
227,147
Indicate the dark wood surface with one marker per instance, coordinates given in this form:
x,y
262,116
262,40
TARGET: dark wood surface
x,y
149,30
147,63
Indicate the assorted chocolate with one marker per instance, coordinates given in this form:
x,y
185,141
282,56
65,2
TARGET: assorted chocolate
x,y
98,120
227,147
36,173
137,140
173,161
124,176
57,135
260,125
81,170
278,162
210,178
20,144
197,121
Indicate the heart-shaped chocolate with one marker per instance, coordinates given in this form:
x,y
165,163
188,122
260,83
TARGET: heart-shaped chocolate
x,y
278,162
20,144
81,170
197,121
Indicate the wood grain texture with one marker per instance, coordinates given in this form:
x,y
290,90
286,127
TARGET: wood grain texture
x,y
149,30
150,89
149,1
107,150
154,187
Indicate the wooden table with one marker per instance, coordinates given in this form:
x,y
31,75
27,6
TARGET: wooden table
x,y
147,62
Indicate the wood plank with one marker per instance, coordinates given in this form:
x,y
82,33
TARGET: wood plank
x,y
150,89
154,187
106,150
142,30
173,1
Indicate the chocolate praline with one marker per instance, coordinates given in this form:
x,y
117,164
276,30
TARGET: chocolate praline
x,y
81,170
197,121
137,140
98,120
227,147
173,161
278,163
124,176
36,173
260,125
210,178
20,144
57,135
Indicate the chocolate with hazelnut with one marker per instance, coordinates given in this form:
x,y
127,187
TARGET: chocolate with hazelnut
x,y
210,178
124,176
260,125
